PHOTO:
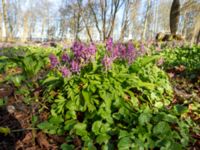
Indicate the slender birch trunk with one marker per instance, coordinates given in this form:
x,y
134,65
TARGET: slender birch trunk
x,y
146,20
1,28
5,18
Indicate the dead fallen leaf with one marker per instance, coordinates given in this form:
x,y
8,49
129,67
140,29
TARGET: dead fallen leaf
x,y
27,138
42,141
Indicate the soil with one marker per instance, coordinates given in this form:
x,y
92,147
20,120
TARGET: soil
x,y
17,116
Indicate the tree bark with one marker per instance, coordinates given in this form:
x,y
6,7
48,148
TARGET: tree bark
x,y
124,20
146,20
96,20
103,4
84,21
174,16
25,25
116,4
5,18
198,38
196,30
1,28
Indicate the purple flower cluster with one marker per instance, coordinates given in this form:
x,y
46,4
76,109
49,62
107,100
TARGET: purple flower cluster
x,y
53,60
125,52
109,44
142,49
107,62
82,51
65,72
131,52
65,57
75,66
82,54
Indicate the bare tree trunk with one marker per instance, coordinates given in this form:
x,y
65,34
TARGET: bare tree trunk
x,y
103,4
146,20
196,29
174,16
116,4
184,29
32,28
25,25
124,20
95,19
85,23
44,22
5,20
198,38
1,28
77,26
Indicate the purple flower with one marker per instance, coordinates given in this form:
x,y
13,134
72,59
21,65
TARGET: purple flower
x,y
107,62
122,49
131,52
142,49
77,49
109,44
92,49
65,72
65,57
75,66
115,52
53,60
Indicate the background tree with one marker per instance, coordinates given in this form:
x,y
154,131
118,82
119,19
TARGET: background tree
x,y
174,16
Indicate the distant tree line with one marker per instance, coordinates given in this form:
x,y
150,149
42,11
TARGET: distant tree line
x,y
97,20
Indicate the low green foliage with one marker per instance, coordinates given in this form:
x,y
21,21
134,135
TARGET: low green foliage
x,y
125,107
121,106
186,56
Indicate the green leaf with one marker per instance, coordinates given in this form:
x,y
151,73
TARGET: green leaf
x,y
162,128
56,120
2,102
86,95
159,104
50,79
45,125
123,133
179,109
124,143
144,118
5,130
67,147
88,102
34,119
102,138
69,124
96,127
80,129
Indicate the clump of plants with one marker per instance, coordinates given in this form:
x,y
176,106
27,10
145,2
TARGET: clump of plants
x,y
112,97
187,57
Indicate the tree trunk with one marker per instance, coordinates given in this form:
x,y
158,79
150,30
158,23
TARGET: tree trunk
x,y
5,18
184,29
96,20
124,20
196,29
84,21
116,6
25,32
146,20
44,22
103,17
1,28
174,16
198,38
